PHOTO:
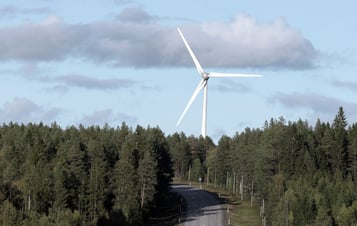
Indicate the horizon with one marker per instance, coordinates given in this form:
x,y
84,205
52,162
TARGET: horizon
x,y
123,61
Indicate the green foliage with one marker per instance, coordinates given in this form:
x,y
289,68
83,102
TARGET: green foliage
x,y
181,155
114,176
81,176
305,175
197,170
125,187
147,179
8,214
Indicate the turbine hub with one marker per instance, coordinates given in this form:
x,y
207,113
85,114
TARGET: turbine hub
x,y
205,76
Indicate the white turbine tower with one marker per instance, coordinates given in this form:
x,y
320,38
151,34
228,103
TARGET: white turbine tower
x,y
203,84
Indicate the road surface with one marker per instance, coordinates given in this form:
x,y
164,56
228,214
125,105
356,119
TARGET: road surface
x,y
202,208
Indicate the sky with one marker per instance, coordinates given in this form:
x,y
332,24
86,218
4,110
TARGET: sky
x,y
94,62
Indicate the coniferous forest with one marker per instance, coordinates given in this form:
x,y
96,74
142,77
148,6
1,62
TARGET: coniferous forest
x,y
296,173
81,176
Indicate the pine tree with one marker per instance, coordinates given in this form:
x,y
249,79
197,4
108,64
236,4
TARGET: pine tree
x,y
60,192
124,185
180,152
340,135
96,186
352,151
223,166
76,171
147,179
211,164
156,142
328,147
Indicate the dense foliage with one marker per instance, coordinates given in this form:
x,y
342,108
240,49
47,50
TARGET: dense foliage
x,y
304,175
296,173
81,176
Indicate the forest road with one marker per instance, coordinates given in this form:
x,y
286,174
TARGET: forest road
x,y
202,208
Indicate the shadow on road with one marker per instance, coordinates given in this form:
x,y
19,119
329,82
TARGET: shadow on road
x,y
197,203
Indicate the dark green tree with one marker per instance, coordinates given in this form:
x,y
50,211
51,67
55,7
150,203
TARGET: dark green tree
x,y
96,184
223,163
181,155
125,188
352,151
147,180
339,126
328,147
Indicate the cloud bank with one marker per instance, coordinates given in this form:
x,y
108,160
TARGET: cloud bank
x,y
137,39
24,110
94,83
317,103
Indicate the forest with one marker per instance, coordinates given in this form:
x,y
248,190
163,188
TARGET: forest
x,y
81,176
295,173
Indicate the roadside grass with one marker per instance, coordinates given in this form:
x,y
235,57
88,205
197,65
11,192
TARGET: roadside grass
x,y
240,213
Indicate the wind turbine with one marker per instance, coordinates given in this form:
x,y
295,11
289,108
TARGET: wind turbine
x,y
203,85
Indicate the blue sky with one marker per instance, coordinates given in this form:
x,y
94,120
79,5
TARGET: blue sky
x,y
94,62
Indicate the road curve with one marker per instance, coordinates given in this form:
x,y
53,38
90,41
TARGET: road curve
x,y
202,208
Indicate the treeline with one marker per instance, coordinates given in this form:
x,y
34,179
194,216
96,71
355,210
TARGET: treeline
x,y
81,176
296,173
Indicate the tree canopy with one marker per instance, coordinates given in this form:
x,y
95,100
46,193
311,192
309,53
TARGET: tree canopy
x,y
81,176
304,175
296,173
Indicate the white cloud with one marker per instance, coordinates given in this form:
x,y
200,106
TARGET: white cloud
x,y
244,41
20,109
94,83
102,117
241,42
39,42
135,15
33,72
23,110
97,117
315,102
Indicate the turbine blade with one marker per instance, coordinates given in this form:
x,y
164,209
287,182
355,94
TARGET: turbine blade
x,y
198,66
195,93
227,75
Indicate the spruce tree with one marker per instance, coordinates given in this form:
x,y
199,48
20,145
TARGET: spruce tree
x,y
340,134
329,152
352,151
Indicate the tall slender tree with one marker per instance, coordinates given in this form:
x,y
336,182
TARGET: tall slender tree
x,y
147,179
352,151
339,126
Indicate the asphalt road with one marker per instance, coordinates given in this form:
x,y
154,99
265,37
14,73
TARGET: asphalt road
x,y
202,208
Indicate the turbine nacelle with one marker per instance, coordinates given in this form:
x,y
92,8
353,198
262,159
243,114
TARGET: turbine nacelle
x,y
205,76
203,85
